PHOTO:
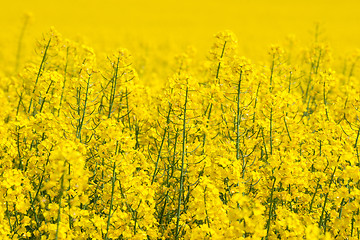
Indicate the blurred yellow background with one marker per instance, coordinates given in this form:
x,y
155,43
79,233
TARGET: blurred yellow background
x,y
257,23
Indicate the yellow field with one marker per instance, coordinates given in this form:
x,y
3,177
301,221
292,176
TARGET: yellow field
x,y
179,120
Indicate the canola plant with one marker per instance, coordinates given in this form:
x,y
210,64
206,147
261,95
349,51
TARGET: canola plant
x,y
93,147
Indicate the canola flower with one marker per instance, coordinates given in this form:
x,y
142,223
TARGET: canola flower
x,y
228,149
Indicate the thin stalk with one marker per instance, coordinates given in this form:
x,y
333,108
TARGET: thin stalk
x,y
341,207
326,198
325,102
18,147
127,107
68,200
272,203
59,210
113,87
163,208
63,87
313,198
308,85
40,70
256,99
8,216
318,62
271,131
218,68
357,137
287,129
161,146
206,212
238,120
290,81
18,106
272,73
113,180
263,137
182,166
207,125
81,120
43,100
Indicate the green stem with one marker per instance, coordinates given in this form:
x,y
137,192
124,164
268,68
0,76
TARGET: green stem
x,y
218,68
357,137
40,70
59,210
271,131
272,73
287,129
113,87
313,198
270,209
113,180
63,87
81,120
206,212
161,146
326,198
238,120
182,167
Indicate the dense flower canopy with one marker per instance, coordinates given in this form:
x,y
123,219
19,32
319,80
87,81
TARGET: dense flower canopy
x,y
100,145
